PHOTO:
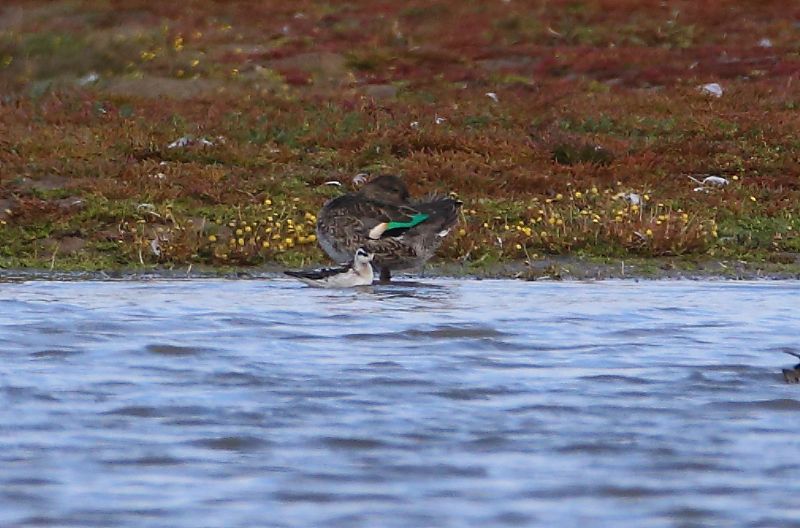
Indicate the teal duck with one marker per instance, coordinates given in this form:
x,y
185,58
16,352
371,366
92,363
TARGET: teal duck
x,y
358,272
382,218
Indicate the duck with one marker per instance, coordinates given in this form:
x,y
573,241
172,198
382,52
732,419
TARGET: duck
x,y
357,272
792,375
382,218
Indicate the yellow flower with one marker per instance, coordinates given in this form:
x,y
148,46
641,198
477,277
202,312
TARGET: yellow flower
x,y
241,241
267,202
265,244
518,246
559,196
649,232
578,194
212,238
239,232
247,229
753,199
194,63
178,43
462,232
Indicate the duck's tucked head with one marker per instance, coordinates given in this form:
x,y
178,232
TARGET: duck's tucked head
x,y
387,188
363,256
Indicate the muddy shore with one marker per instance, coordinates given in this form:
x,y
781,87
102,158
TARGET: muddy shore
x,y
555,268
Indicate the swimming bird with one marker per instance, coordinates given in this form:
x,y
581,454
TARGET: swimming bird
x,y
358,272
382,218
792,375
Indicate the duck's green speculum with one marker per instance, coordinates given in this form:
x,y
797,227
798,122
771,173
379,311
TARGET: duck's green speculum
x,y
416,219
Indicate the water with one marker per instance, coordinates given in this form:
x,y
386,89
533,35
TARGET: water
x,y
213,403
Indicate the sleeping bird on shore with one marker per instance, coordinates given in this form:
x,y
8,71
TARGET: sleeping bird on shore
x,y
383,219
358,272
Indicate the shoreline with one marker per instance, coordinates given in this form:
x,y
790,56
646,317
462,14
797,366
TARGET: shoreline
x,y
549,269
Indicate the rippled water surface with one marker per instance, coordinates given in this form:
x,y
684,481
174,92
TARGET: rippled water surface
x,y
213,403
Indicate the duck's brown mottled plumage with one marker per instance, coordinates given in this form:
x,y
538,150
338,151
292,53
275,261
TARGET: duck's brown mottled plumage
x,y
344,224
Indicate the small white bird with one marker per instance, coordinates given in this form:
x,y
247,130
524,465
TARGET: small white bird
x,y
355,273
